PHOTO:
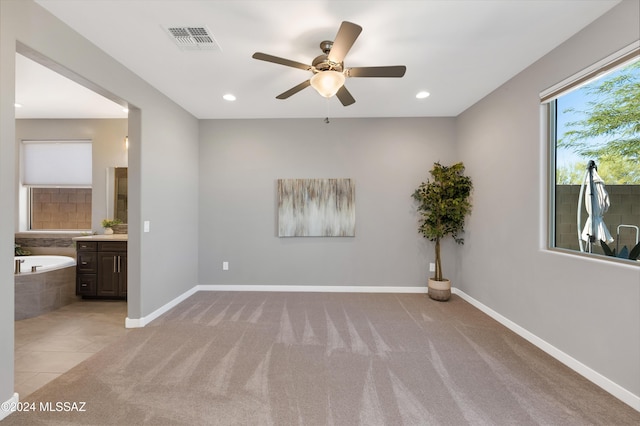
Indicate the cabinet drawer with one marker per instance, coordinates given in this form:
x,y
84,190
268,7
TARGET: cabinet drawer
x,y
87,263
112,246
86,245
86,285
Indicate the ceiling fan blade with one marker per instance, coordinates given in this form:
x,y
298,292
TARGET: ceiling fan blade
x,y
347,35
276,60
294,90
345,97
393,71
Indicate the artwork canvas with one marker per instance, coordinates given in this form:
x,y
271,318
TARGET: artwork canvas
x,y
316,208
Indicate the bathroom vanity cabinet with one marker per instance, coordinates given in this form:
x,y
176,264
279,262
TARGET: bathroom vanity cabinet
x,y
101,269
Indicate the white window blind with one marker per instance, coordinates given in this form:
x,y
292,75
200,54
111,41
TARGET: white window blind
x,y
57,162
608,64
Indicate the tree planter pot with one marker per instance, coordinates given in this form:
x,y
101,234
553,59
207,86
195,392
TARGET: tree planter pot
x,y
439,290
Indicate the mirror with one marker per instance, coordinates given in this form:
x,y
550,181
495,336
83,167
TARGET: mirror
x,y
117,201
120,206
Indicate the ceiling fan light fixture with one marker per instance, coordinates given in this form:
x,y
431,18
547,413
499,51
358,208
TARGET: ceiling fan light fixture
x,y
327,83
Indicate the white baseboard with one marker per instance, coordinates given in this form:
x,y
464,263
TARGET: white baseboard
x,y
613,388
11,402
313,288
141,322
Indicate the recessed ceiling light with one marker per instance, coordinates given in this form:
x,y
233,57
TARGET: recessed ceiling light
x,y
125,110
229,97
17,105
422,95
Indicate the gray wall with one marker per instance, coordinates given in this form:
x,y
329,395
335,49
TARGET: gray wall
x,y
108,151
586,307
240,161
163,158
7,198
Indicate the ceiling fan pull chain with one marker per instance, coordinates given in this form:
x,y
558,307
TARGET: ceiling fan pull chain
x,y
326,120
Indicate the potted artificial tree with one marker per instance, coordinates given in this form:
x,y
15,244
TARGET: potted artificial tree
x,y
443,205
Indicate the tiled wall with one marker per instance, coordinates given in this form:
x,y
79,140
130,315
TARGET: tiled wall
x,y
60,208
624,209
58,243
36,294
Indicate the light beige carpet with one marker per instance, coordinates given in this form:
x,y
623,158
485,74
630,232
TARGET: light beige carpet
x,y
240,358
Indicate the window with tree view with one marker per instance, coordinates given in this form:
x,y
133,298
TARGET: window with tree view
x,y
595,132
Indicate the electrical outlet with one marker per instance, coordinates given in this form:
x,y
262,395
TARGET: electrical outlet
x,y
432,267
225,266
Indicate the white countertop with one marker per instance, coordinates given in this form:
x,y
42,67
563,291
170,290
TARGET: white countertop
x,y
102,237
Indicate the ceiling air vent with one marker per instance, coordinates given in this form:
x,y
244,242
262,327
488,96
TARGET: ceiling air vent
x,y
193,38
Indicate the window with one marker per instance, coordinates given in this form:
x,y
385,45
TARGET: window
x,y
60,208
595,155
57,176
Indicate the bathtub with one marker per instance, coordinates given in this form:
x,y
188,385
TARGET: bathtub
x,y
51,286
44,263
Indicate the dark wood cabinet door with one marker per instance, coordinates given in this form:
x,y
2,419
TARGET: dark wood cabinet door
x,y
122,272
108,278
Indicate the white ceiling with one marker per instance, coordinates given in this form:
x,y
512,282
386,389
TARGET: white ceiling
x,y
458,50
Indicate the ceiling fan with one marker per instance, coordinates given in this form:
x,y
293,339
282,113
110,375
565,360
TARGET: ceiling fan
x,y
328,69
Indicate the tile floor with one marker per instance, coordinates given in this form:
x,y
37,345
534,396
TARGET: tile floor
x,y
51,344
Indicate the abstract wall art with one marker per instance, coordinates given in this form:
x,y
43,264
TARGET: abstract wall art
x,y
316,208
